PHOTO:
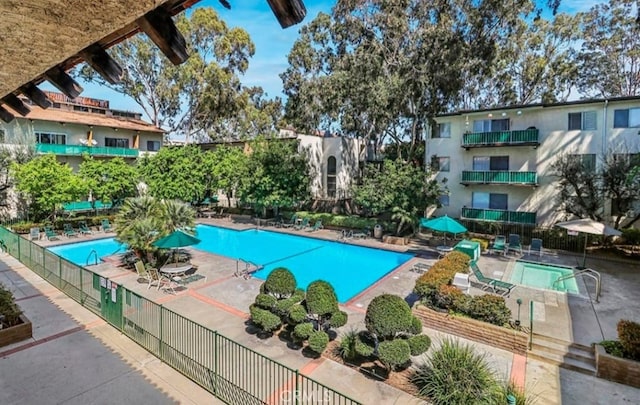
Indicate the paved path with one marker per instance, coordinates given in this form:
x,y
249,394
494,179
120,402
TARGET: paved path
x,y
76,358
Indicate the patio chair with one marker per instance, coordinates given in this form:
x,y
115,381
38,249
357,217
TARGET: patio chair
x,y
277,221
219,214
291,223
535,246
69,231
34,233
50,234
84,229
302,225
345,234
499,244
365,233
514,243
106,226
420,267
316,226
151,276
492,283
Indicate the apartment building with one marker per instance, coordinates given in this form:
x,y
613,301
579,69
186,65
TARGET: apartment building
x,y
73,127
498,161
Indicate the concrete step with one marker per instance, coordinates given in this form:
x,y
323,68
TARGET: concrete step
x,y
571,356
566,351
565,362
542,339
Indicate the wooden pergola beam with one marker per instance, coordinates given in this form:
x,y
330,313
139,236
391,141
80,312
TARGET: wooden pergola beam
x,y
63,82
36,95
102,63
5,115
16,104
288,12
159,27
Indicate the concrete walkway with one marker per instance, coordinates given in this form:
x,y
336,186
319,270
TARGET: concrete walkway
x,y
76,358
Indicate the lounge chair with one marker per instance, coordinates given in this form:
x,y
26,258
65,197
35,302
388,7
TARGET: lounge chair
x,y
491,283
84,229
277,221
151,276
514,243
345,235
291,223
220,213
365,233
316,226
34,233
106,226
499,245
536,246
420,267
50,233
302,225
69,231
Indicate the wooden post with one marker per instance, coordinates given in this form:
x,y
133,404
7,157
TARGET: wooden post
x,y
63,82
16,104
288,12
5,115
36,95
102,63
159,27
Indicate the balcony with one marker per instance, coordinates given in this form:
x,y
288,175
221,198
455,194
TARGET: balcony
x,y
79,150
499,177
526,137
516,217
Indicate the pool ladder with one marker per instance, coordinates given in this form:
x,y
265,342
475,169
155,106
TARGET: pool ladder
x,y
92,253
247,270
585,272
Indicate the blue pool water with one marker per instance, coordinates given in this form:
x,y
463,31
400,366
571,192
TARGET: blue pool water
x,y
350,269
78,253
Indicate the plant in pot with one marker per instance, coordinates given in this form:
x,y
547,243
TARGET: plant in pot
x,y
9,311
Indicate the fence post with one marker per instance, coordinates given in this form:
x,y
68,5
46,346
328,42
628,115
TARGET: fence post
x,y
530,324
296,391
215,362
59,273
81,286
161,344
18,256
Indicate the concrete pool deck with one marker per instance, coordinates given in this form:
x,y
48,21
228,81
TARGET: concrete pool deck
x,y
222,301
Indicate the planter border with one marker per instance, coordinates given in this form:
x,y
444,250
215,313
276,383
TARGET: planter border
x,y
613,368
472,329
16,333
396,240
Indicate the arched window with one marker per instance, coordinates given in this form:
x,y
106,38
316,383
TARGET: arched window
x,y
331,177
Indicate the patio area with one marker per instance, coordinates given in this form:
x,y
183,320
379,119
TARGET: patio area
x,y
221,302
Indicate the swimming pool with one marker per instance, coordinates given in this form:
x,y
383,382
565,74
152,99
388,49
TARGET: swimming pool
x,y
78,253
350,269
539,275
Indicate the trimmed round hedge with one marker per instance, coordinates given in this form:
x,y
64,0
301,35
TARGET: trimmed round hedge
x,y
318,341
338,319
297,314
265,301
264,319
387,315
281,283
303,330
321,298
419,344
394,353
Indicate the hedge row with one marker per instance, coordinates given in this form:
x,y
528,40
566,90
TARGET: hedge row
x,y
25,227
441,273
341,221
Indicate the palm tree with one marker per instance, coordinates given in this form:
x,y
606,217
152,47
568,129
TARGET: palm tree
x,y
176,215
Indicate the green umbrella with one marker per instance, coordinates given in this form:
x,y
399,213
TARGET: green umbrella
x,y
176,239
443,224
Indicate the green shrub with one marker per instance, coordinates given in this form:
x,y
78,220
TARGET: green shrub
x,y
298,295
507,388
629,337
446,297
318,341
297,314
613,347
364,345
484,244
341,221
347,348
8,308
302,331
265,301
338,319
25,227
489,308
394,353
388,315
264,319
441,273
455,374
282,307
631,236
419,344
280,283
416,326
321,299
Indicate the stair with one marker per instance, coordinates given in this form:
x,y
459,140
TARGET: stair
x,y
571,356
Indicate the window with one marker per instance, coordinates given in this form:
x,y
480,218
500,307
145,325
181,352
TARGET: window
x,y
443,130
116,142
627,118
444,200
587,160
583,121
331,177
490,200
486,163
153,146
491,125
51,138
440,163
80,108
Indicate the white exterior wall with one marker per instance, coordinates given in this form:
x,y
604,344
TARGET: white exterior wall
x,y
555,140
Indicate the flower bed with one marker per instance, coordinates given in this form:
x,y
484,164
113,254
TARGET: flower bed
x,y
478,331
16,333
613,368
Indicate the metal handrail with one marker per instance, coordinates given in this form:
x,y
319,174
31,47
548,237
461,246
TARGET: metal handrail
x,y
247,267
585,272
93,252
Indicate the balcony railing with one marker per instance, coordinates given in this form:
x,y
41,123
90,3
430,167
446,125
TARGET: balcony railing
x,y
524,137
78,150
481,214
499,177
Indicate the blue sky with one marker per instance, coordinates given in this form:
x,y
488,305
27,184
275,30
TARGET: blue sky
x,y
272,43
